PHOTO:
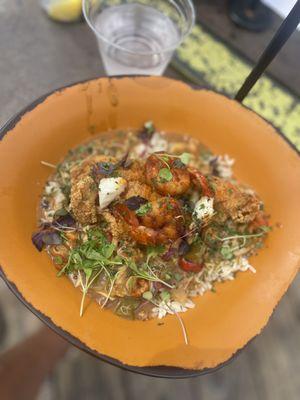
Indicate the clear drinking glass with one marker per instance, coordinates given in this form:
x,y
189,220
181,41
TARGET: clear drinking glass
x,y
138,37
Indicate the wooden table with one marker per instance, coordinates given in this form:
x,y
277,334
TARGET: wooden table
x,y
38,55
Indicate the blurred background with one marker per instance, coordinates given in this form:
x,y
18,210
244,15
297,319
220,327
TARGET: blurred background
x,y
38,54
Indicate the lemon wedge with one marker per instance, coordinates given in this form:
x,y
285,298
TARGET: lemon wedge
x,y
64,10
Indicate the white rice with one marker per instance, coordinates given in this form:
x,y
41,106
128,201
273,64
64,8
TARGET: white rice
x,y
58,199
223,165
171,307
203,282
157,143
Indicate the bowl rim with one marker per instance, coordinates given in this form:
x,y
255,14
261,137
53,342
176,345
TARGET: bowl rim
x,y
152,371
155,371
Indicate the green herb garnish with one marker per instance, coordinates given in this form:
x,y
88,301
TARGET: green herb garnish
x,y
165,175
226,252
165,296
90,259
58,260
253,235
177,276
153,251
147,295
185,158
146,271
143,209
149,126
61,212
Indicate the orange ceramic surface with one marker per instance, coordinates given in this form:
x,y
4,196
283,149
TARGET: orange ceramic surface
x,y
221,323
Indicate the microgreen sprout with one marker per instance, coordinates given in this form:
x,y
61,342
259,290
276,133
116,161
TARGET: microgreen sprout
x,y
47,164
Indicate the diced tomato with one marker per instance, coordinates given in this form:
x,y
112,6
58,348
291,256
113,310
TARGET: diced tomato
x,y
260,220
190,266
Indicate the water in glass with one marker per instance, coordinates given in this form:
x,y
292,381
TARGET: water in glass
x,y
137,36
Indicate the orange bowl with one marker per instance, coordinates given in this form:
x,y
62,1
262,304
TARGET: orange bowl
x,y
221,323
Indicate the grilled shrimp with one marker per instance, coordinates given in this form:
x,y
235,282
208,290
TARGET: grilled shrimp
x,y
199,180
180,179
160,224
141,286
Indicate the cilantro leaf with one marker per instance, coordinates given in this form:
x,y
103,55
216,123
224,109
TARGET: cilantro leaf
x,y
108,250
185,158
143,209
226,252
147,295
165,175
58,260
165,296
149,126
153,251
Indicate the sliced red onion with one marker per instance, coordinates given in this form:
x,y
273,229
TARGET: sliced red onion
x,y
45,237
66,221
50,238
134,202
105,168
147,132
37,240
183,248
169,253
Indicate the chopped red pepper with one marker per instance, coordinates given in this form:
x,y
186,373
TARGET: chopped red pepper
x,y
259,221
190,266
128,215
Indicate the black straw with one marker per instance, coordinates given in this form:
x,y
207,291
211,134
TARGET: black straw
x,y
284,32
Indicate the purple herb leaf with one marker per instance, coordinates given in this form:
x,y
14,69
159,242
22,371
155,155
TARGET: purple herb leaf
x,y
51,238
37,240
147,132
214,164
183,248
45,237
108,168
169,253
145,136
213,161
105,168
44,203
124,162
135,202
66,221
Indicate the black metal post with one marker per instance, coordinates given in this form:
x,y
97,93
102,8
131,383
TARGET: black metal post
x,y
284,32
